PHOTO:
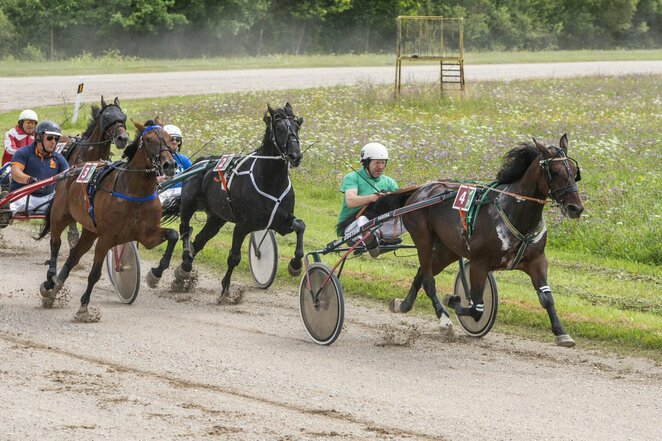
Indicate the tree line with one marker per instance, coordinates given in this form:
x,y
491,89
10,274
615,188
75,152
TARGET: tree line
x,y
41,29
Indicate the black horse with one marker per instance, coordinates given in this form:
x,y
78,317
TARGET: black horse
x,y
255,193
508,232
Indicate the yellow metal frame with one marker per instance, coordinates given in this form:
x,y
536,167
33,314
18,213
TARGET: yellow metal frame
x,y
430,28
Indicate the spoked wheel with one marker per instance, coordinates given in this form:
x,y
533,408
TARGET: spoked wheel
x,y
481,327
322,311
123,267
263,257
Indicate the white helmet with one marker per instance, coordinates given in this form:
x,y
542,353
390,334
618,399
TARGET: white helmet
x,y
29,115
373,150
173,130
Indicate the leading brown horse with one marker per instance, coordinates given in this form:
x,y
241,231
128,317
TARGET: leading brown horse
x,y
119,205
508,231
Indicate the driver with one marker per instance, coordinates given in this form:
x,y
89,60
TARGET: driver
x,y
366,185
36,162
21,135
181,160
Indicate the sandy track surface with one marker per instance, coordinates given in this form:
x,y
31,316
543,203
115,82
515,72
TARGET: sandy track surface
x,y
25,92
179,366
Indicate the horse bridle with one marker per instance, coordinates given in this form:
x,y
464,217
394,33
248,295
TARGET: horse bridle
x,y
559,194
156,159
282,150
105,128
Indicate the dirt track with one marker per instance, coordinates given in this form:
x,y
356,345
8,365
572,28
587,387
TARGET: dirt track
x,y
181,366
21,93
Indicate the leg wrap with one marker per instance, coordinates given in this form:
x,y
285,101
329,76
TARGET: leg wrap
x,y
545,297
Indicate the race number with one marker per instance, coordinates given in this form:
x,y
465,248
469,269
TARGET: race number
x,y
223,163
464,198
86,173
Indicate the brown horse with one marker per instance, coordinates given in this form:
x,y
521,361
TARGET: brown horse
x,y
508,230
119,205
107,126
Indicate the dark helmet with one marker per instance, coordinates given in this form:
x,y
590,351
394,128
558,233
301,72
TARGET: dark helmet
x,y
46,127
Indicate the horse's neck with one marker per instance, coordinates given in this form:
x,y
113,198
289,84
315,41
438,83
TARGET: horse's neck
x,y
273,170
524,214
137,182
92,148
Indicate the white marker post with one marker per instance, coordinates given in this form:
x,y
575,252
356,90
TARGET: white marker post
x,y
79,95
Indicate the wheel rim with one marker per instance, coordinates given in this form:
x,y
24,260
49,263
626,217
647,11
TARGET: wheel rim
x,y
263,262
323,320
490,299
125,277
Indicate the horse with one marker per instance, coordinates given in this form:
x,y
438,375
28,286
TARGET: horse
x,y
256,194
508,231
107,126
119,205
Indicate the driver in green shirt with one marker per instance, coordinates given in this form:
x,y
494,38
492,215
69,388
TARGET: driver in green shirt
x,y
364,186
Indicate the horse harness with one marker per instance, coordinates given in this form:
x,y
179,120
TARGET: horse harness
x,y
78,140
231,170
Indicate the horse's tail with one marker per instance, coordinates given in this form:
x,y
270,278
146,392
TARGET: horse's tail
x,y
384,204
47,222
170,211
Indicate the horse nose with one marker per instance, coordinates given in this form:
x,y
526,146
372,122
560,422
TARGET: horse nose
x,y
169,168
295,159
574,210
121,141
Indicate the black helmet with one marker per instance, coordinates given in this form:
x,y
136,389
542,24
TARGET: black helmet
x,y
46,127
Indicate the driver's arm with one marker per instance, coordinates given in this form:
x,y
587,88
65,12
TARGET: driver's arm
x,y
353,200
18,175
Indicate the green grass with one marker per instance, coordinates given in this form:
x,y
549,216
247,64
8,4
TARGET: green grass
x,y
113,63
605,268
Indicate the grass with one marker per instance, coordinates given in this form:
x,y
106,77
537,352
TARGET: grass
x,y
114,63
605,270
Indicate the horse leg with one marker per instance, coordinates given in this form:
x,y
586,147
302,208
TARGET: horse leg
x,y
46,288
398,305
210,229
296,263
72,235
537,270
84,314
154,276
477,279
238,236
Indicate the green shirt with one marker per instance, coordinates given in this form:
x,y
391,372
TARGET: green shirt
x,y
364,185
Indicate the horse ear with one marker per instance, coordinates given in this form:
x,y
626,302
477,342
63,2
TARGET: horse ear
x,y
288,108
117,102
300,121
137,125
268,114
563,143
541,147
158,122
103,102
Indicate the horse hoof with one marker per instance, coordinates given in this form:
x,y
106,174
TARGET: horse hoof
x,y
294,272
232,298
451,301
45,292
151,280
565,341
180,274
446,326
394,305
87,315
47,302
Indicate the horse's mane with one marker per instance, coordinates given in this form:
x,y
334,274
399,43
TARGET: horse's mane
x,y
516,162
95,111
384,204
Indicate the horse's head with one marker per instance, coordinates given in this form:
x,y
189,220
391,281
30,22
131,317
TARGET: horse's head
x,y
112,123
561,174
155,142
283,133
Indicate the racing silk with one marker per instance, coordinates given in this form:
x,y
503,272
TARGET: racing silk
x,y
182,164
15,139
364,185
38,166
